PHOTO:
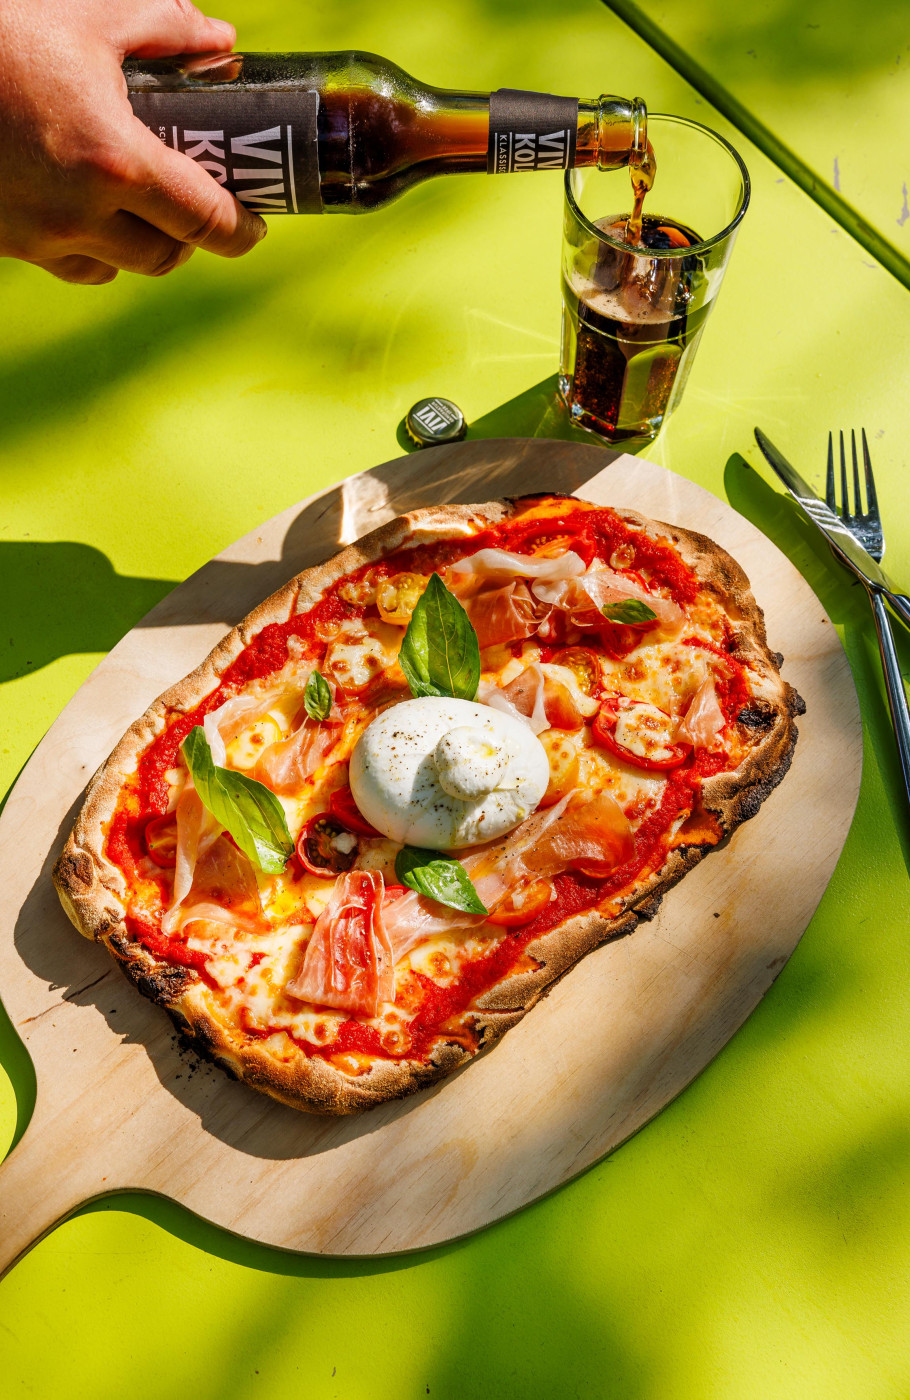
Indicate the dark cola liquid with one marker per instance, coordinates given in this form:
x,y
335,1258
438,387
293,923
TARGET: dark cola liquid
x,y
630,328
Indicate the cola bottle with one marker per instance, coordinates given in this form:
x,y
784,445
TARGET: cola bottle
x,y
307,133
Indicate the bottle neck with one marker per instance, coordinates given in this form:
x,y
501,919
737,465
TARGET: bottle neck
x,y
506,131
612,132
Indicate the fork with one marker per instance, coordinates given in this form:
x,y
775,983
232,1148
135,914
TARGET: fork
x,y
866,528
864,525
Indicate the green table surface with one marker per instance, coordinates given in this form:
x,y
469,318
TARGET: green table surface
x,y
823,86
753,1240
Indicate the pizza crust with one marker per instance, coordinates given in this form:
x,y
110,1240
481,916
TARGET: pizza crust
x,y
93,891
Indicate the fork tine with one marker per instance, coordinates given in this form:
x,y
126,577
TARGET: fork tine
x,y
871,497
857,494
845,495
830,495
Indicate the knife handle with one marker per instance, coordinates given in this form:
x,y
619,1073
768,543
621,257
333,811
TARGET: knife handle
x,y
894,684
901,606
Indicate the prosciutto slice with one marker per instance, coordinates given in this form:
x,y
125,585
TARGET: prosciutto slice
x,y
411,918
223,889
503,564
566,705
197,830
527,694
703,720
225,723
498,868
348,962
215,914
543,696
285,766
595,835
590,593
496,698
505,614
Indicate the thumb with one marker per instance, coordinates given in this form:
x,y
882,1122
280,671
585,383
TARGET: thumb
x,y
165,27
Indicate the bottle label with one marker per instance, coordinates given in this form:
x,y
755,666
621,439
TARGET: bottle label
x,y
531,131
260,145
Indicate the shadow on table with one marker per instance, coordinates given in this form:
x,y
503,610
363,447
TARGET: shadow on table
x,y
844,599
49,383
63,597
537,412
17,1063
489,1337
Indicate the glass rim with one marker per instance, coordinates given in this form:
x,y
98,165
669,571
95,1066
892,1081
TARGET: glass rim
x,y
671,252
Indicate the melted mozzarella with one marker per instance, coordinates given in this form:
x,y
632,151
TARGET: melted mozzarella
x,y
440,957
562,675
378,853
244,751
663,674
512,668
646,731
632,787
360,652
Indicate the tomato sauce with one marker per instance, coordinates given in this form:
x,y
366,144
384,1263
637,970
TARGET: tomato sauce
x,y
593,533
172,950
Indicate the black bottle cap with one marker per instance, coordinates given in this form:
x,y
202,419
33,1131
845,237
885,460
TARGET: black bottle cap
x,y
432,421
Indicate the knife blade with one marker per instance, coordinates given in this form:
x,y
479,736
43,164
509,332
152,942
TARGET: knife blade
x,y
844,544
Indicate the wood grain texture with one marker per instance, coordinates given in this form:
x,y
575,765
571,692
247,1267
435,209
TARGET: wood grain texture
x,y
120,1107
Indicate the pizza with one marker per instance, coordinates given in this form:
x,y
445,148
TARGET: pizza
x,y
420,782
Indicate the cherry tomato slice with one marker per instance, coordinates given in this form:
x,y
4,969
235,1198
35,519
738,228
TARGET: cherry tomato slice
x,y
548,543
604,733
522,905
161,840
345,810
583,664
618,639
324,847
393,892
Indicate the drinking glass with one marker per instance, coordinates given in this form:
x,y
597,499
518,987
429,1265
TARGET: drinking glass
x,y
633,315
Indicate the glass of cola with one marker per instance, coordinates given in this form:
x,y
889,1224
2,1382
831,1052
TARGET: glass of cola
x,y
641,269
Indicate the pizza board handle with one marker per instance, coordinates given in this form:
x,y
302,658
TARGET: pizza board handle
x,y
48,1175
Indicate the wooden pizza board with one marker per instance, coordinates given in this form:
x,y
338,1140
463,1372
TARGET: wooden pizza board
x,y
120,1107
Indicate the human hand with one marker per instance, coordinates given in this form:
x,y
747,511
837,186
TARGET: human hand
x,y
85,188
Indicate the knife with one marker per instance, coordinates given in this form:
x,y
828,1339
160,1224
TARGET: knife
x,y
845,545
850,552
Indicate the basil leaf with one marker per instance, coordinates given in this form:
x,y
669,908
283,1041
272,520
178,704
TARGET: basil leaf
x,y
247,809
317,698
440,654
432,874
198,756
631,612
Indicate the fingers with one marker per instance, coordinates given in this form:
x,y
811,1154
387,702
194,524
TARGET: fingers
x,y
123,244
130,245
163,27
174,194
88,271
